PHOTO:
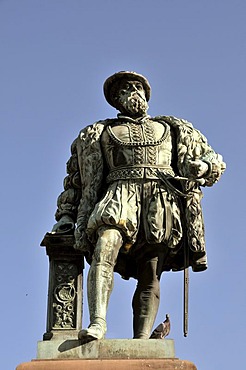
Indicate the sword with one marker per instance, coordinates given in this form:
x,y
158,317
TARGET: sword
x,y
186,290
186,301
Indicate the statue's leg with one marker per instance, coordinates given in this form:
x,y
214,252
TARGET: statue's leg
x,y
100,281
146,298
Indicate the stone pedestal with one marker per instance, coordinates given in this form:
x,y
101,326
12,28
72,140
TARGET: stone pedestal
x,y
64,308
106,349
121,354
136,364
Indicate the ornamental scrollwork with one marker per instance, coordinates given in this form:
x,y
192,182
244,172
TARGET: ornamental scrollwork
x,y
64,296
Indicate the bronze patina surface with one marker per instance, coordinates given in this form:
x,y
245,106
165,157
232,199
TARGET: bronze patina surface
x,y
132,200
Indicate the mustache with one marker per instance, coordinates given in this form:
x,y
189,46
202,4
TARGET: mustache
x,y
134,95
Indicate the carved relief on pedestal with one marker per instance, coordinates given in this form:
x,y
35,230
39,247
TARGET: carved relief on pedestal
x,y
64,294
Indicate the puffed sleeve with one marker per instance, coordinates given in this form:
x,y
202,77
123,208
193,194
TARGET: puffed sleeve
x,y
68,200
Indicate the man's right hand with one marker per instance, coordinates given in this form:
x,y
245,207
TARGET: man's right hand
x,y
65,225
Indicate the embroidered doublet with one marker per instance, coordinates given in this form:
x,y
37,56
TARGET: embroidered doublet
x,y
137,150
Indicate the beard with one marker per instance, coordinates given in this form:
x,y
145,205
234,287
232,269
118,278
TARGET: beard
x,y
133,104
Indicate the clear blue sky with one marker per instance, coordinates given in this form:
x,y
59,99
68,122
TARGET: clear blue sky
x,y
55,56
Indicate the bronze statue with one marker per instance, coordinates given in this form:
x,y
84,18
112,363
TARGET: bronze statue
x,y
133,192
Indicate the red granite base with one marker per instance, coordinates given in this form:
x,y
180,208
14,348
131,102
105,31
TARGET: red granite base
x,y
119,364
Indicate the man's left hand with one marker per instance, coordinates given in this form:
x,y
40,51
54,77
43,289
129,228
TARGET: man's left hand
x,y
198,168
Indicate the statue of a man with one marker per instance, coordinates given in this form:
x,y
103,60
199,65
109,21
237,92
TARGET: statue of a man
x,y
133,192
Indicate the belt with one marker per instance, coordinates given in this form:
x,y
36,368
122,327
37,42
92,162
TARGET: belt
x,y
128,173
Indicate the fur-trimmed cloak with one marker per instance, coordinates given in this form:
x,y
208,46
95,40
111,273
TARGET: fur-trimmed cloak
x,y
86,182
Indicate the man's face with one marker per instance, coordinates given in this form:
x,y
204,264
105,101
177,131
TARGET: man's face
x,y
131,98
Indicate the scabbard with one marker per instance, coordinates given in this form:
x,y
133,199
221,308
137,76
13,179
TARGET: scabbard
x,y
186,301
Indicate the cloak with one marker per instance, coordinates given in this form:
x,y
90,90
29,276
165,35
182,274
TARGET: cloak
x,y
85,184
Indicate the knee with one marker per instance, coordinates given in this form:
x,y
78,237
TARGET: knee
x,y
108,245
149,281
150,288
109,236
155,288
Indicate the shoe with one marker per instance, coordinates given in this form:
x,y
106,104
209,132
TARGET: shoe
x,y
94,331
